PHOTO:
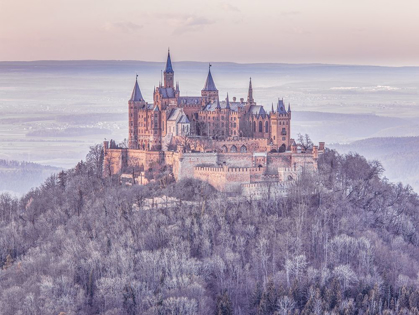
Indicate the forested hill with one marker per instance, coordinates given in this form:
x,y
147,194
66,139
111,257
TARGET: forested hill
x,y
344,241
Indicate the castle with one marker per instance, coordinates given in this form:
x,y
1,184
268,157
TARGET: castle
x,y
235,145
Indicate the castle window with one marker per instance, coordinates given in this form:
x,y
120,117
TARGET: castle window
x,y
233,148
243,149
260,127
222,124
266,127
235,125
254,126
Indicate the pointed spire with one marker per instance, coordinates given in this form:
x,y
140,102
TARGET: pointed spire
x,y
169,68
250,93
281,107
209,84
272,110
136,93
218,104
227,102
289,108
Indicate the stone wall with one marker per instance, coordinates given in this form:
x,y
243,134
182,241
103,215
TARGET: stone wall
x,y
184,163
264,190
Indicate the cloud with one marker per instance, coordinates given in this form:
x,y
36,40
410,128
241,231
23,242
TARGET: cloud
x,y
183,23
229,7
123,27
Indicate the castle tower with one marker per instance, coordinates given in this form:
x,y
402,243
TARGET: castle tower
x,y
155,129
209,91
281,136
169,74
134,104
250,99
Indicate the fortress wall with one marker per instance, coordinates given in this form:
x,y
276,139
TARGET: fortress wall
x,y
112,162
223,178
214,176
251,144
276,160
304,159
187,161
264,190
236,159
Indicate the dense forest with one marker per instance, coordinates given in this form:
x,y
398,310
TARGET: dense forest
x,y
343,241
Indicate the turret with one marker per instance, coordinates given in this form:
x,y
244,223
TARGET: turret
x,y
134,104
280,108
169,74
136,95
218,104
227,102
209,91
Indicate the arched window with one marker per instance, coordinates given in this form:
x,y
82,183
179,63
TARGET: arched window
x,y
224,148
282,148
266,127
243,148
260,127
233,149
254,126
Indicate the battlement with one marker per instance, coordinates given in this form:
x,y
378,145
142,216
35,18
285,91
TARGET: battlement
x,y
229,169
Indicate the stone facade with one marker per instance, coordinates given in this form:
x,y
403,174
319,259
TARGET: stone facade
x,y
236,146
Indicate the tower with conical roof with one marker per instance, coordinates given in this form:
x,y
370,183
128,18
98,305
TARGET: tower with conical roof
x,y
227,103
135,103
209,92
169,74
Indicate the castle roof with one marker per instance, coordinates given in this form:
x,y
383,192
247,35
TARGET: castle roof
x,y
209,84
281,107
257,110
136,95
169,68
167,92
234,106
190,100
174,114
183,120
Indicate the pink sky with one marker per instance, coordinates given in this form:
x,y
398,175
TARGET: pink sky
x,y
299,31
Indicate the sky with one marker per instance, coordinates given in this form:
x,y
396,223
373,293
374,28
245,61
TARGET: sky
x,y
281,31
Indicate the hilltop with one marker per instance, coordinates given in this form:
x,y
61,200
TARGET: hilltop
x,y
343,241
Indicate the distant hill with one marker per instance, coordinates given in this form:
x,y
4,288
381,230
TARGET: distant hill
x,y
399,156
20,177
